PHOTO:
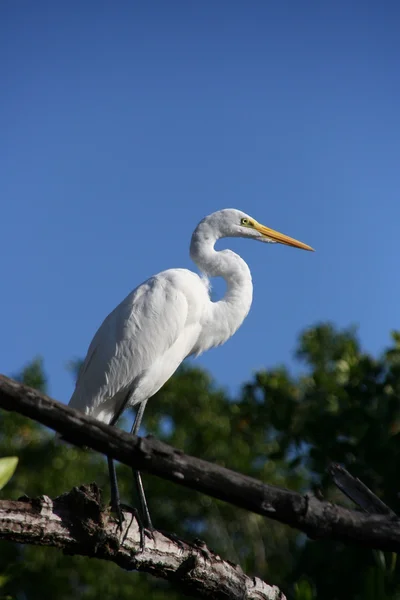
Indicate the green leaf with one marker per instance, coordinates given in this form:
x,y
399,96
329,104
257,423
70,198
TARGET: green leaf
x,y
7,468
303,590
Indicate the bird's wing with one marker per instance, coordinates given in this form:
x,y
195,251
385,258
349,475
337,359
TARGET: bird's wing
x,y
138,331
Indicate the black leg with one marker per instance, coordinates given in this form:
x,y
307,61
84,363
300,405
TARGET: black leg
x,y
138,419
136,474
115,499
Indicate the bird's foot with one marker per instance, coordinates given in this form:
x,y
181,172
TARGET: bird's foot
x,y
144,530
117,509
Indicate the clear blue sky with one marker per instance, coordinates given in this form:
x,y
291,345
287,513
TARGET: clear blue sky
x,y
124,123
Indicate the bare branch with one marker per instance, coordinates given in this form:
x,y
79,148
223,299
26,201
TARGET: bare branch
x,y
358,492
320,520
75,523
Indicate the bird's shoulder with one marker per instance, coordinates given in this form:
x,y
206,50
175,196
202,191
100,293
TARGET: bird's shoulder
x,y
142,328
159,292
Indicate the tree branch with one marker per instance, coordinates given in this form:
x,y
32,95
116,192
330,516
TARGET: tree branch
x,y
319,520
358,492
76,523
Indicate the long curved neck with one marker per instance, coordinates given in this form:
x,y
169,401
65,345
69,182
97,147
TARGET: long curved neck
x,y
225,316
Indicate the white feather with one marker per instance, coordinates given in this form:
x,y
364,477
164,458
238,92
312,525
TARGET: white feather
x,y
167,318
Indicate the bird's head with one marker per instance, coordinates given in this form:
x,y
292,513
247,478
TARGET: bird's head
x,y
230,222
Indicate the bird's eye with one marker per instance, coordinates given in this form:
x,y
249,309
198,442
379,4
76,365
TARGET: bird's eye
x,y
246,223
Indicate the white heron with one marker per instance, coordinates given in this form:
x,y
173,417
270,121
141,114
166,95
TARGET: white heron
x,y
167,318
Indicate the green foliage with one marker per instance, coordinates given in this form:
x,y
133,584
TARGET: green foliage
x,y
7,468
304,590
282,429
33,375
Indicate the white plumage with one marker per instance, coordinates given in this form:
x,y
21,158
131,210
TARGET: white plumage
x,y
165,319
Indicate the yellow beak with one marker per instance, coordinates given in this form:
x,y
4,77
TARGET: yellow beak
x,y
281,238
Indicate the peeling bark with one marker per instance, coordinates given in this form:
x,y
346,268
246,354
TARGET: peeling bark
x,y
76,523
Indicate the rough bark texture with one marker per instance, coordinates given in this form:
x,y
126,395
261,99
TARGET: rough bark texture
x,y
76,523
319,520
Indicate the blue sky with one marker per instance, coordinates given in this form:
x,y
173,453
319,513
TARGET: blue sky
x,y
124,123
